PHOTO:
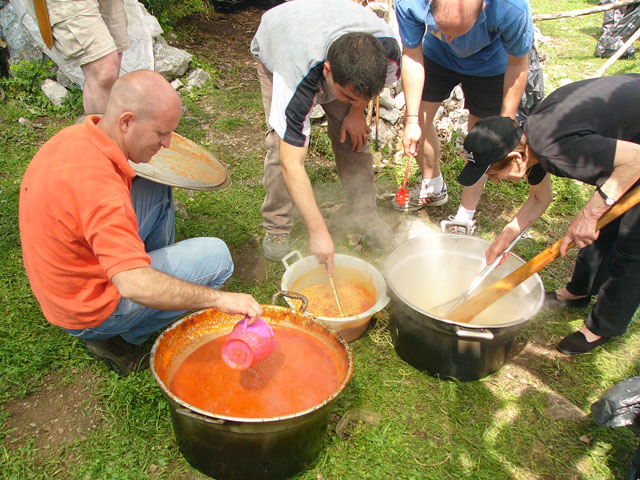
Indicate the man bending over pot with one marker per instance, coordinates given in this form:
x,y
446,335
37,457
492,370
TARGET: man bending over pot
x,y
338,54
98,244
588,131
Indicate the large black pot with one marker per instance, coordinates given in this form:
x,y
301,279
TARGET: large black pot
x,y
427,271
244,448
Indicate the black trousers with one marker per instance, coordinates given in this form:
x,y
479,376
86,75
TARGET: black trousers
x,y
610,268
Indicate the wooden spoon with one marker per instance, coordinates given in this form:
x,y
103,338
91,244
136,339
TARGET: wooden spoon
x,y
476,304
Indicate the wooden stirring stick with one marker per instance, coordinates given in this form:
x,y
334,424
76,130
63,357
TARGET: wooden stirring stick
x,y
335,291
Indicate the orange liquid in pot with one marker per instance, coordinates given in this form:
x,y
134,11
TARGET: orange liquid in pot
x,y
300,373
354,299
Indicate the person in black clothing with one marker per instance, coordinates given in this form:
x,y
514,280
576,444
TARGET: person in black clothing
x,y
589,131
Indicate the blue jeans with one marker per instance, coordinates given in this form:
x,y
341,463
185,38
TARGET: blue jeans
x,y
201,260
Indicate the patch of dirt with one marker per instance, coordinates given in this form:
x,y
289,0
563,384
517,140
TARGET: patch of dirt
x,y
249,263
56,415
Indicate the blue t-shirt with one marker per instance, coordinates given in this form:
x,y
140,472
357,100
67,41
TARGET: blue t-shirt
x,y
504,26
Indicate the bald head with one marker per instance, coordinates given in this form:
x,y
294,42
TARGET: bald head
x,y
142,112
144,93
454,18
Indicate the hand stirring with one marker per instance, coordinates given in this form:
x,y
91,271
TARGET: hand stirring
x,y
446,307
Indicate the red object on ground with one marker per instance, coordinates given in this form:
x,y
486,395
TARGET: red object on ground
x,y
402,195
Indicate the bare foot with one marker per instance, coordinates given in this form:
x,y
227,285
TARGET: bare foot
x,y
564,294
589,335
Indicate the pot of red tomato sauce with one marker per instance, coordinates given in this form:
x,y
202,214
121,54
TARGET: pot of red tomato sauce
x,y
265,422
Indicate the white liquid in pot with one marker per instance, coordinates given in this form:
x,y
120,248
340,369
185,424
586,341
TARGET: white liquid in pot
x,y
427,281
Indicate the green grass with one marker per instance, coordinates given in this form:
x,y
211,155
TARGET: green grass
x,y
496,428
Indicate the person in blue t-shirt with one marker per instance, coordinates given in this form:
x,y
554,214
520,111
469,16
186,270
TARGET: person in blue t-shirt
x,y
484,47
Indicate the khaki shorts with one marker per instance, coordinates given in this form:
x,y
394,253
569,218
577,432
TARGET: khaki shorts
x,y
87,30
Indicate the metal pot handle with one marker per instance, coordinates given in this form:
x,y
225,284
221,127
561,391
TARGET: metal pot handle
x,y
197,416
292,253
473,334
297,296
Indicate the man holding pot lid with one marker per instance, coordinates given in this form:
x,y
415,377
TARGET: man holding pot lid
x,y
338,54
98,244
589,131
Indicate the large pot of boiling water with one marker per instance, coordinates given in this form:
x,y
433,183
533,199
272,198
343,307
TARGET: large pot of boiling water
x,y
427,271
265,422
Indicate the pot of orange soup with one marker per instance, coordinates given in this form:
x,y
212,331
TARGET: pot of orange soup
x,y
361,287
265,422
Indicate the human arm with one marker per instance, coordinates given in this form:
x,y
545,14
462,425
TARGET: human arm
x,y
299,186
540,196
626,171
515,81
412,84
155,289
355,124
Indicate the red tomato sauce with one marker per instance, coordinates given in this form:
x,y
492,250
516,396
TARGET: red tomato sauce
x,y
301,372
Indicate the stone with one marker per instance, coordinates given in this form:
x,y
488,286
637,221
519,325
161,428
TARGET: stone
x,y
386,98
54,91
170,62
560,408
177,84
390,115
317,112
197,78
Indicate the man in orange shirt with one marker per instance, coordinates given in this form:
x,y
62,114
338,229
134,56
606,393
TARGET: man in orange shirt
x,y
98,243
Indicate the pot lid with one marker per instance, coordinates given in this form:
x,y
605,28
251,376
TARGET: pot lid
x,y
185,164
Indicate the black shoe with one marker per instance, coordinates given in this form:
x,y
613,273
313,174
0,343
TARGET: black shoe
x,y
124,357
577,343
551,301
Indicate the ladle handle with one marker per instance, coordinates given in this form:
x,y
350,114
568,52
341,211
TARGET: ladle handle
x,y
492,266
335,291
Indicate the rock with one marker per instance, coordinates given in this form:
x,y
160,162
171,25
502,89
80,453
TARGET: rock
x,y
20,44
399,102
386,134
391,115
170,62
55,92
197,78
457,93
317,112
386,98
177,84
380,9
65,81
560,408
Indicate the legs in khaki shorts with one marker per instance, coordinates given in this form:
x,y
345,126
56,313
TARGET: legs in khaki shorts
x,y
355,169
93,34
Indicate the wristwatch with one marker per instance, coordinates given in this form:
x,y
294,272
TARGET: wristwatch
x,y
607,200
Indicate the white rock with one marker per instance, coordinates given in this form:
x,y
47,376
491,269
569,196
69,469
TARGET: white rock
x,y
399,102
197,78
317,112
386,98
177,84
54,91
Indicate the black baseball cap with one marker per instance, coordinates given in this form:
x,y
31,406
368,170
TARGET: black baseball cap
x,y
490,140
